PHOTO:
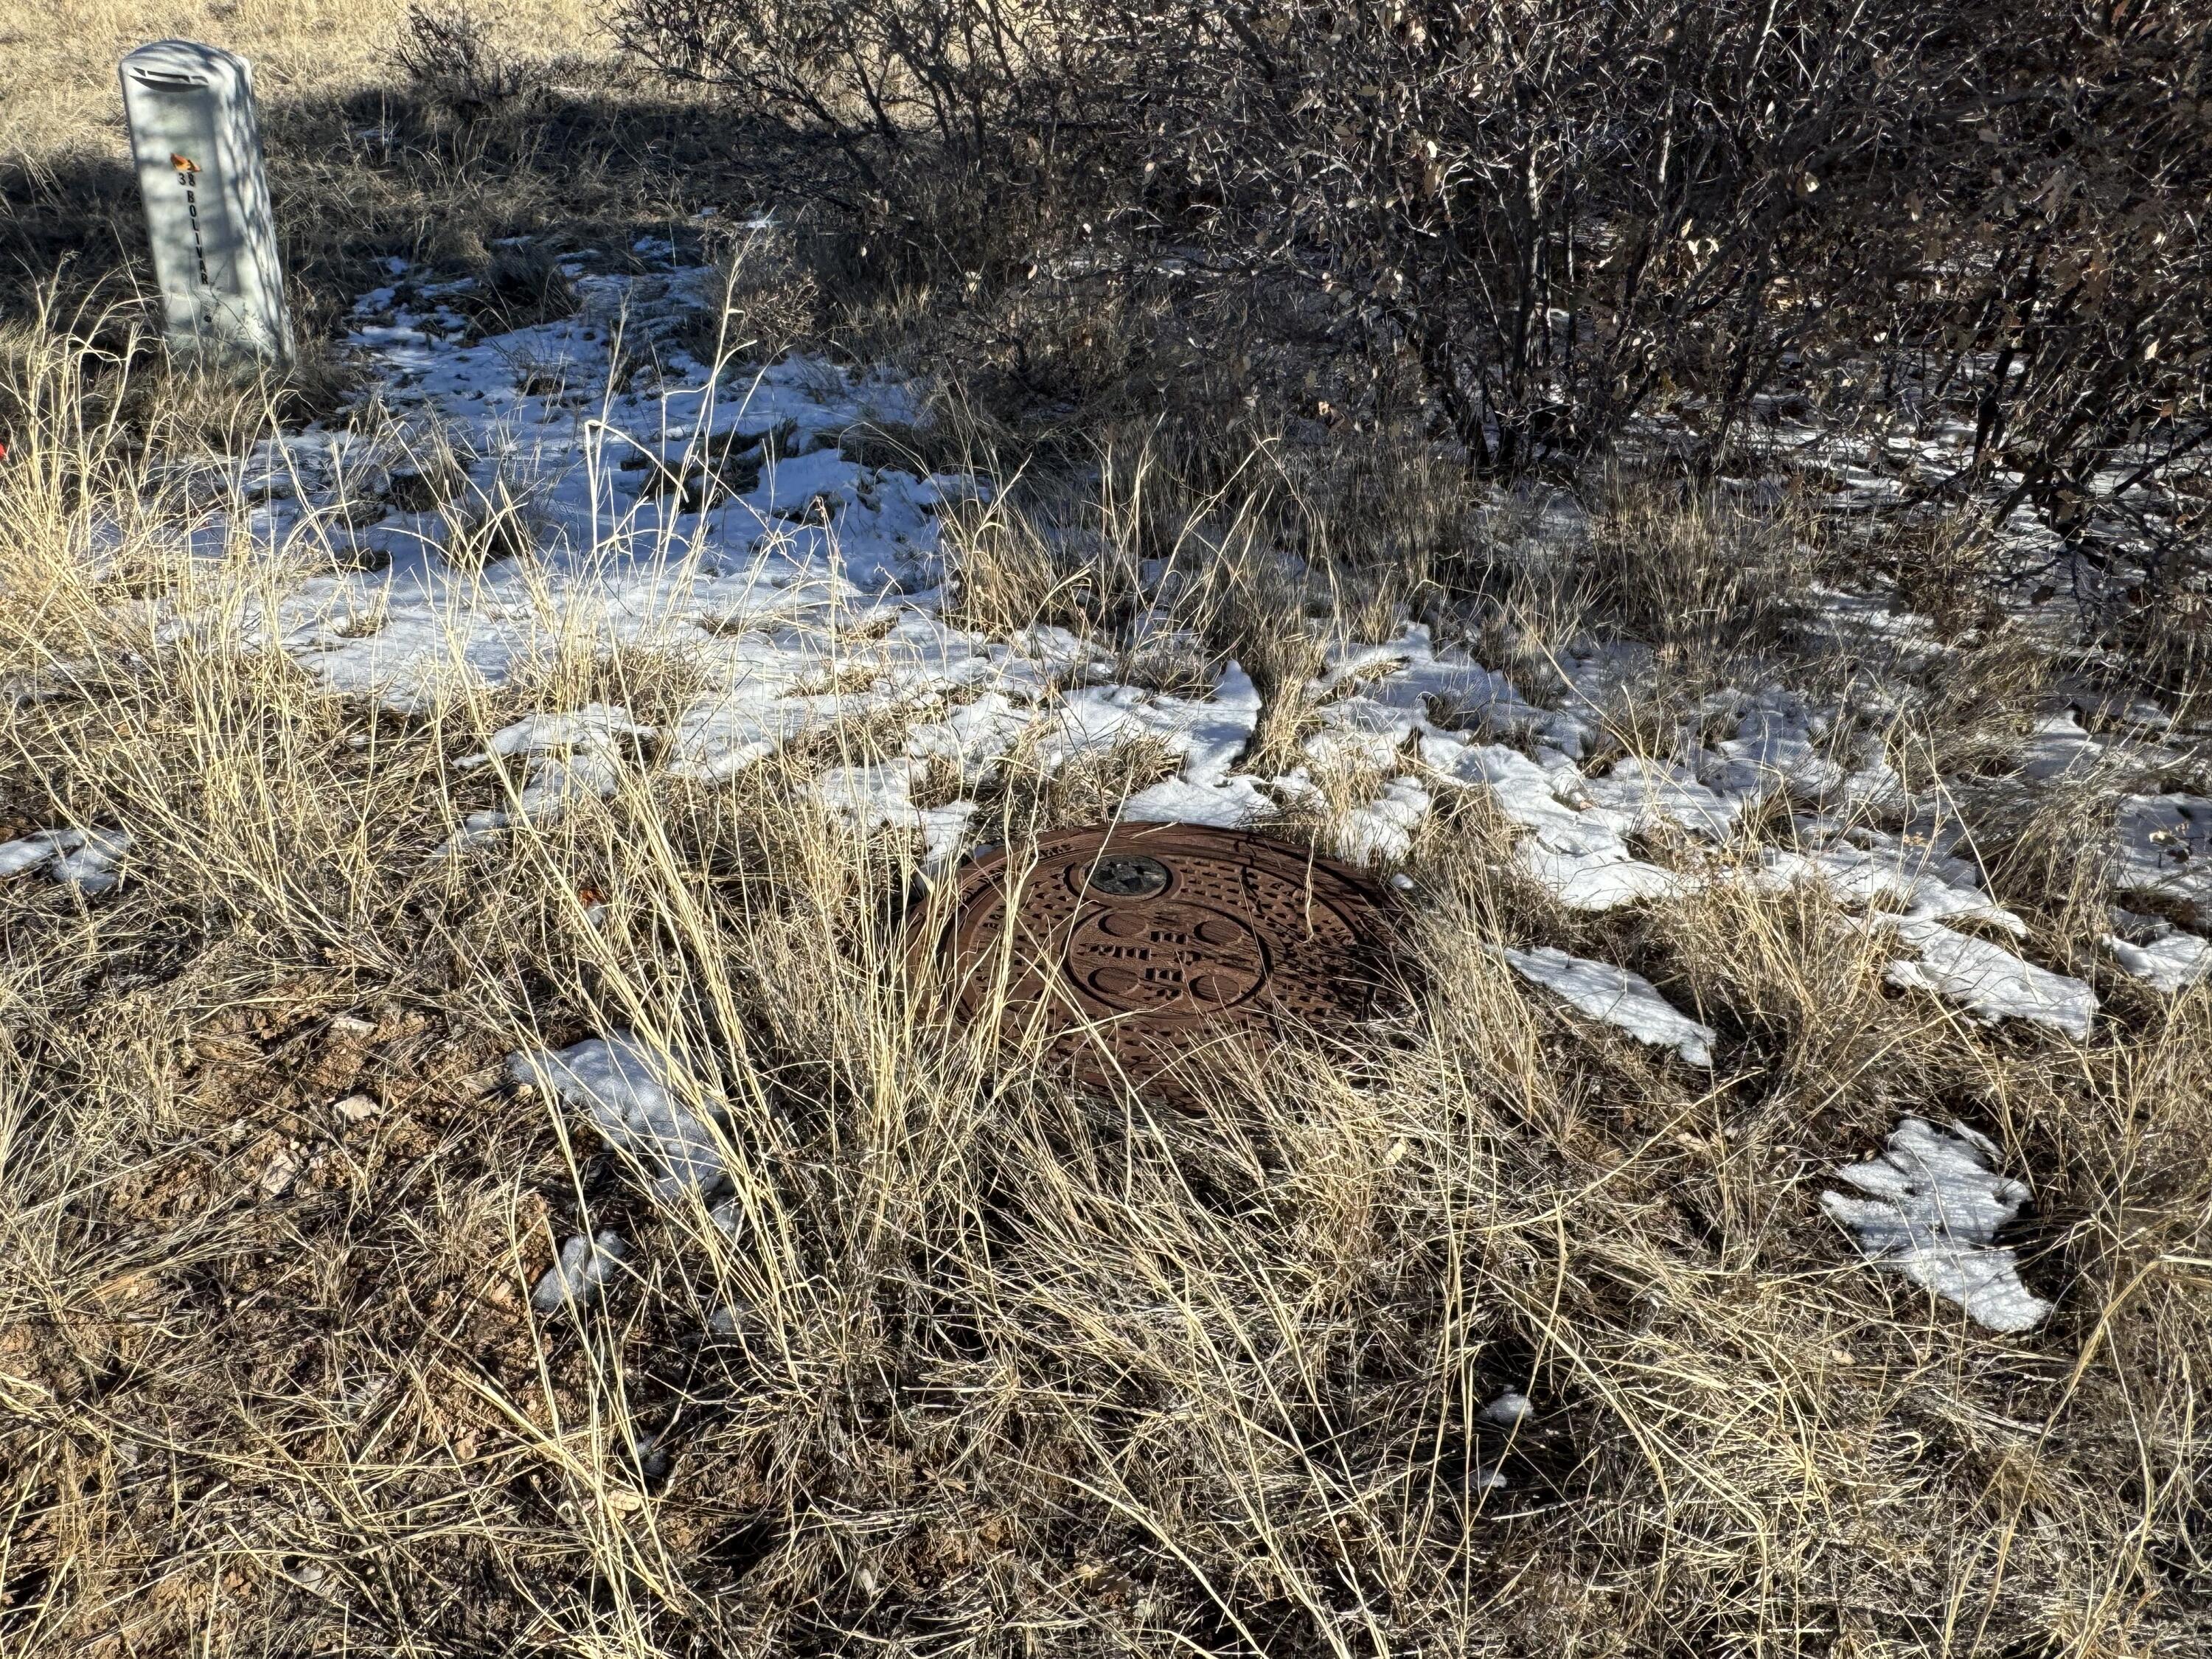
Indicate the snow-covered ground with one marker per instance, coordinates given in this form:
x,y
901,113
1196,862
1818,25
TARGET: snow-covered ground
x,y
725,519
529,497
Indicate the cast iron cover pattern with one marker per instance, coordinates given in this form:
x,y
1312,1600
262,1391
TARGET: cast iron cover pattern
x,y
1131,948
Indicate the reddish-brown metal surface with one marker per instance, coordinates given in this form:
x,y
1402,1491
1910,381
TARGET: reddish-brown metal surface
x,y
1132,949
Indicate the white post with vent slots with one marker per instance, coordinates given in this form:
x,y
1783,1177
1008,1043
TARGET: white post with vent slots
x,y
197,148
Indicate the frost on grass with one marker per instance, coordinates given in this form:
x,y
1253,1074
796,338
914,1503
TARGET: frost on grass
x,y
622,1088
1932,1207
83,859
1616,997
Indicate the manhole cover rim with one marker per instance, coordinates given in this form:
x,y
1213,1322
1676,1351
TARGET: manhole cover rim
x,y
987,863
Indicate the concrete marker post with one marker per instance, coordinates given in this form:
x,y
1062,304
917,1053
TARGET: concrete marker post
x,y
197,148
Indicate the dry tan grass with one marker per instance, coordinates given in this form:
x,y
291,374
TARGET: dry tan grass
x,y
57,83
983,1364
987,1366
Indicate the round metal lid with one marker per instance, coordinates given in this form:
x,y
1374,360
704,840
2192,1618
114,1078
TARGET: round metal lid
x,y
1129,949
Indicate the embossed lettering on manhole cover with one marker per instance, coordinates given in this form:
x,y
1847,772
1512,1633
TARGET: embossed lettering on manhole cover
x,y
1131,948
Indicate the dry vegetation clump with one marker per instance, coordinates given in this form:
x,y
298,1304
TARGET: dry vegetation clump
x,y
965,1359
959,1360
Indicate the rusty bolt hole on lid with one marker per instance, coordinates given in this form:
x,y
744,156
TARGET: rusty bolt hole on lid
x,y
1133,949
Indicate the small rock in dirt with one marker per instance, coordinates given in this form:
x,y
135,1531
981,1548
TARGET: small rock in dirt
x,y
284,1168
354,1108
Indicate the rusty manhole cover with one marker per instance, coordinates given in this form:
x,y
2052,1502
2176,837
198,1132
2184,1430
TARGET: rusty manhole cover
x,y
1130,949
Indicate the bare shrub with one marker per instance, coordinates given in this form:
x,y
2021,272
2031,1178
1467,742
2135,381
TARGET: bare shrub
x,y
451,51
769,299
1558,217
888,83
1550,211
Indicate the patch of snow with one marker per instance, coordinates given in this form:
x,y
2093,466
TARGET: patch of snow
x,y
1933,1209
1381,831
717,519
91,867
1916,889
1577,856
2168,960
582,1272
1616,997
42,847
1231,804
1404,684
1638,795
2166,849
1991,983
1506,1412
595,725
1783,745
2057,748
974,737
870,796
622,1088
1208,734
83,859
572,757
1895,881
